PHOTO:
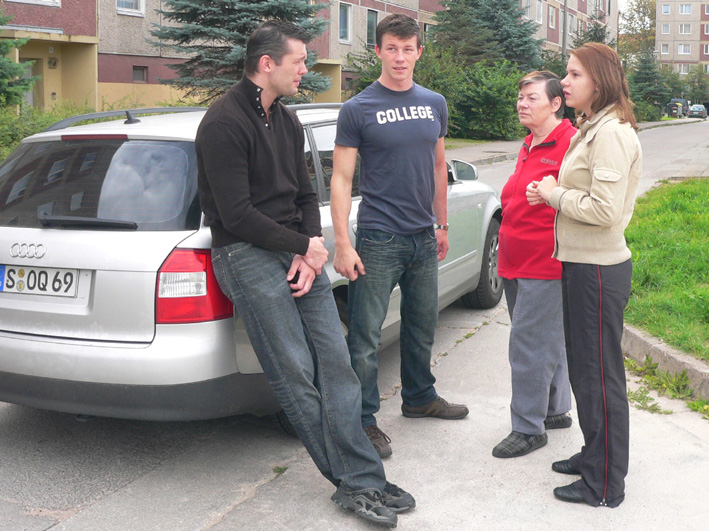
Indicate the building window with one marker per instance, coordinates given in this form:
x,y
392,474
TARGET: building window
x,y
345,23
665,9
552,17
683,68
665,29
685,9
428,32
372,19
135,8
685,29
540,11
706,9
527,7
572,24
684,49
706,69
706,49
140,74
665,49
580,27
706,28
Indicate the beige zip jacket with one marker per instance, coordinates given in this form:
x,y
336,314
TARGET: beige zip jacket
x,y
598,182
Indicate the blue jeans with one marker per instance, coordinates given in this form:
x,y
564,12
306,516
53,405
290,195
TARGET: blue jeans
x,y
304,355
412,262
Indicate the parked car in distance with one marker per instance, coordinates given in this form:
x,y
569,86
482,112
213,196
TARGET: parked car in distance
x,y
697,111
108,302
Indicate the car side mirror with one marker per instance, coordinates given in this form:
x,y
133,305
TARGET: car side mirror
x,y
464,171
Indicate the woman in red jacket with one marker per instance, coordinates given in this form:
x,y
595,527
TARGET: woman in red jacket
x,y
541,396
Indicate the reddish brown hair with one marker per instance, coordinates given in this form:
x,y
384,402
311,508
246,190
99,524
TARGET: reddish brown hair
x,y
606,71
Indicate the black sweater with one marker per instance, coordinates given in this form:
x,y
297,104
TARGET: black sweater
x,y
254,184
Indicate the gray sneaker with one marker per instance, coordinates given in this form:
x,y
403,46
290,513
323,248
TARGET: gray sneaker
x,y
367,504
379,439
397,499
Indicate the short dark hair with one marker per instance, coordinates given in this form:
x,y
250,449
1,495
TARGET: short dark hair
x,y
402,26
271,38
552,84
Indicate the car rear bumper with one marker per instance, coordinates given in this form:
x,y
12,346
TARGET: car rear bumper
x,y
221,397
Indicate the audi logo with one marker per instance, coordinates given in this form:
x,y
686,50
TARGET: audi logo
x,y
27,250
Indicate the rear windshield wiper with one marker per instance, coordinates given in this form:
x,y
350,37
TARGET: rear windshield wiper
x,y
79,222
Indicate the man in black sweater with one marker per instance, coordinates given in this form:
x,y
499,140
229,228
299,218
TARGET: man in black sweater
x,y
268,257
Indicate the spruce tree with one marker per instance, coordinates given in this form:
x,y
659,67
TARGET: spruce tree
x,y
13,84
647,88
489,27
596,31
213,35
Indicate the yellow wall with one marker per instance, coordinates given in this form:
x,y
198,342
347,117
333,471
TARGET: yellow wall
x,y
332,70
133,95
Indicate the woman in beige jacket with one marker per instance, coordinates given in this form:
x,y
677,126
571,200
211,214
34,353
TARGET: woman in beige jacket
x,y
594,199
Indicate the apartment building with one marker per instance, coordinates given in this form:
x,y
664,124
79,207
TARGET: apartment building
x,y
560,21
63,45
682,34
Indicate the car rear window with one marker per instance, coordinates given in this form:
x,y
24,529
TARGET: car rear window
x,y
151,184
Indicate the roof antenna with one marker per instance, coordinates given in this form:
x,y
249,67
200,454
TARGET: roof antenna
x,y
130,119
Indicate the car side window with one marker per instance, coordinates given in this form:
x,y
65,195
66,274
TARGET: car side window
x,y
324,136
310,161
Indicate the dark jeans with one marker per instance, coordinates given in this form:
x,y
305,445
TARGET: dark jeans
x,y
304,355
412,262
594,299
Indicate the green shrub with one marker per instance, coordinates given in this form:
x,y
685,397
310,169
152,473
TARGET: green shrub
x,y
646,112
17,124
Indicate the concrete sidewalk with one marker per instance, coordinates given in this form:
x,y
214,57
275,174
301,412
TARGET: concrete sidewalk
x,y
636,343
449,468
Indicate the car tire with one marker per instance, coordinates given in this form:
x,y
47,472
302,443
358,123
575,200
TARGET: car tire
x,y
489,289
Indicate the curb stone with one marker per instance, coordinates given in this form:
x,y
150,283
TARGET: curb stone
x,y
638,345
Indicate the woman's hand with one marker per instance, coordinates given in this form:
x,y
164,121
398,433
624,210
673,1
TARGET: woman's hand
x,y
538,192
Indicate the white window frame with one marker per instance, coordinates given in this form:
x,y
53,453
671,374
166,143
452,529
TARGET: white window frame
x,y
527,9
682,68
706,27
540,12
685,9
666,9
347,39
48,3
665,49
130,11
684,49
706,49
684,29
706,68
706,9
572,24
665,30
552,17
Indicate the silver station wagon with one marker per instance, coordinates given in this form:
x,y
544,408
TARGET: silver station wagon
x,y
108,302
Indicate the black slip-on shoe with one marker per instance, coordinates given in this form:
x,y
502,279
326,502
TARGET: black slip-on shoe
x,y
569,493
564,467
556,422
397,499
366,504
517,444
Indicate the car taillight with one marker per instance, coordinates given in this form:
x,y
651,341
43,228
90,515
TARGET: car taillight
x,y
187,290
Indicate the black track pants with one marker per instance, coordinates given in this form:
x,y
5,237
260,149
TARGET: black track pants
x,y
594,298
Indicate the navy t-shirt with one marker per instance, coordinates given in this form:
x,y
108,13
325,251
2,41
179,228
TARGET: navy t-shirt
x,y
396,134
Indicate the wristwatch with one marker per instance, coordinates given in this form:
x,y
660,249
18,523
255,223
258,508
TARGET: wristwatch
x,y
441,227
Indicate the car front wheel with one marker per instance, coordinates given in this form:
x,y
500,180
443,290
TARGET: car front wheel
x,y
489,289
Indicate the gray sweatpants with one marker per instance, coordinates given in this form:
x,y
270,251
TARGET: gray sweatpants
x,y
540,378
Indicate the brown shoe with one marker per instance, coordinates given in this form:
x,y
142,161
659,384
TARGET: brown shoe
x,y
379,439
439,408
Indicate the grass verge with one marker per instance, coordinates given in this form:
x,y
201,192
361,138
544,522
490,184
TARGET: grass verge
x,y
669,238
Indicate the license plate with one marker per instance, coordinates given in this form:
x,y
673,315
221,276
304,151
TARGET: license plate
x,y
38,280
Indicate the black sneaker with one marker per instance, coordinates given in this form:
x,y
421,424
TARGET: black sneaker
x,y
367,504
379,439
397,499
517,444
558,422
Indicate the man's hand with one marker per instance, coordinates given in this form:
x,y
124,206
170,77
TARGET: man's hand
x,y
348,263
300,276
317,254
442,239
